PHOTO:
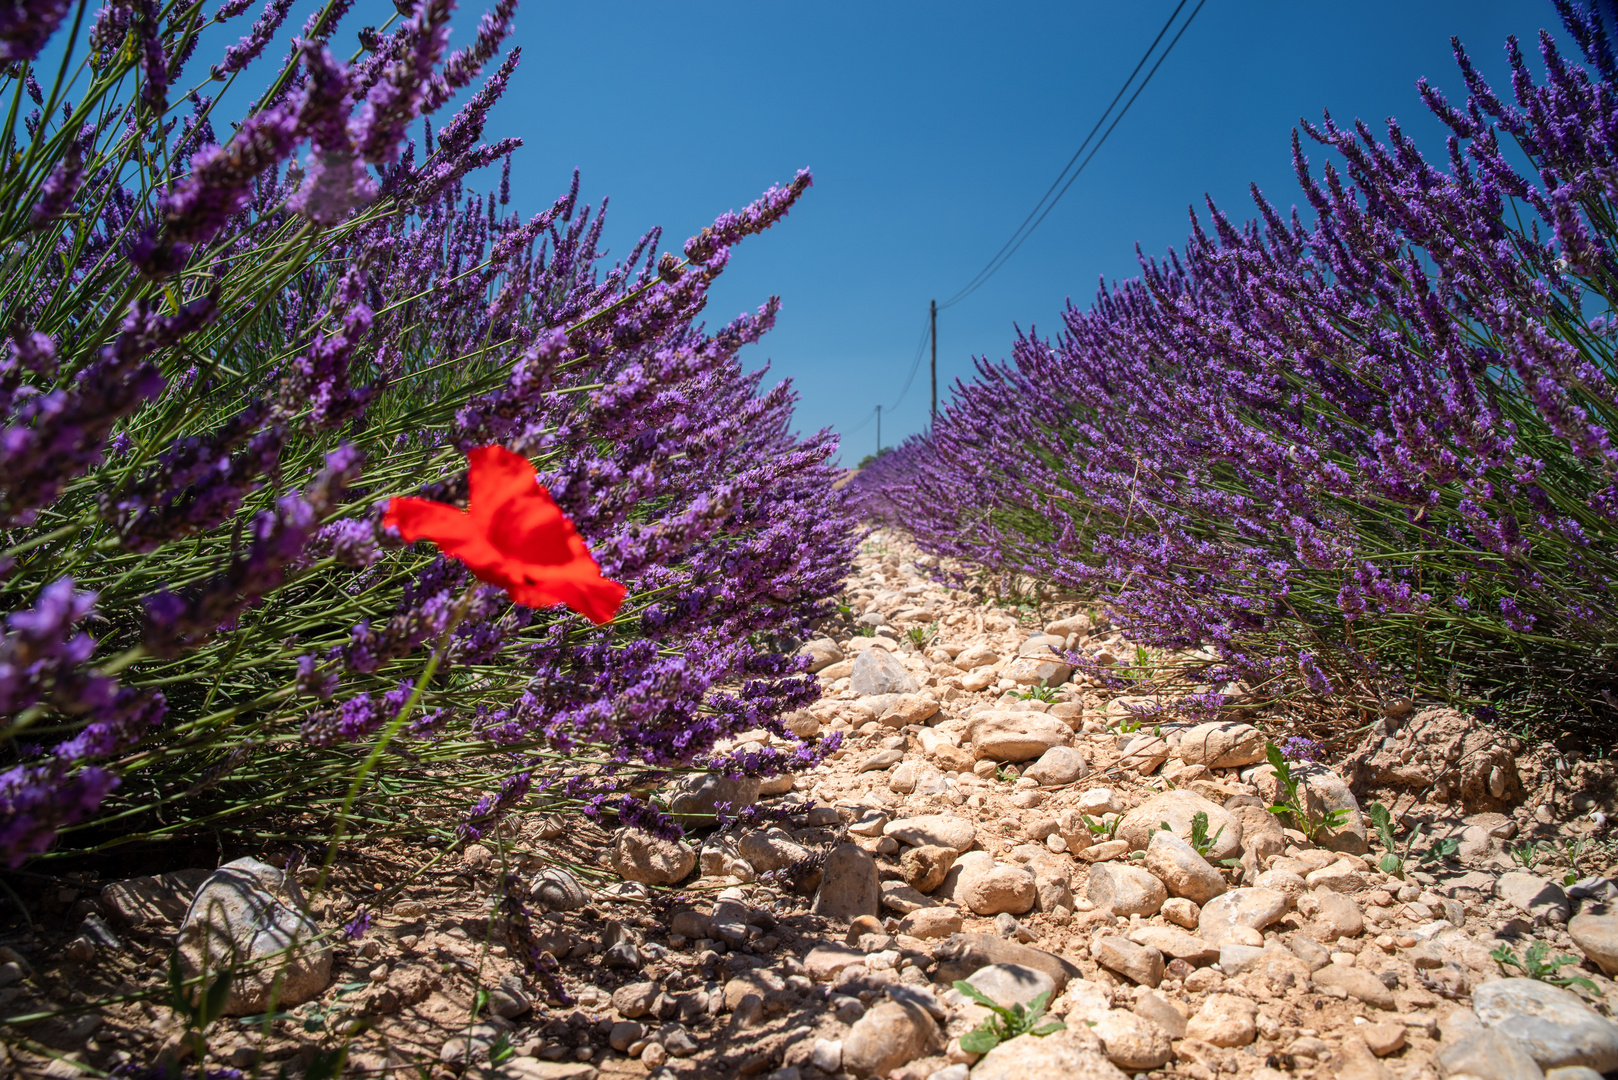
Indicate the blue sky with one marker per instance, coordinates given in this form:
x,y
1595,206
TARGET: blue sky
x,y
932,129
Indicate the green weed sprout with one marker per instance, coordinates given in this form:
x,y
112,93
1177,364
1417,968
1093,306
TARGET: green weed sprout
x,y
1534,964
1393,860
1526,854
922,636
1294,804
1100,826
1005,1024
1038,693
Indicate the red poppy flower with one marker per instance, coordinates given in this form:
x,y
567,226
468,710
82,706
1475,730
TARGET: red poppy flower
x,y
512,534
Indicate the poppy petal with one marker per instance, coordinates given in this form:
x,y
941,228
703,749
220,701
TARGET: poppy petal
x,y
496,476
597,599
423,519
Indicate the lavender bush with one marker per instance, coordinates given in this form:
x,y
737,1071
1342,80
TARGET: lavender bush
x,y
1360,456
229,344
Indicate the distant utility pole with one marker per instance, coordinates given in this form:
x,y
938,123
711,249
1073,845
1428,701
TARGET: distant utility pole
x,y
934,311
879,429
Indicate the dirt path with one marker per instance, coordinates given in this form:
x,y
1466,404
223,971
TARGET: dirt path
x,y
971,827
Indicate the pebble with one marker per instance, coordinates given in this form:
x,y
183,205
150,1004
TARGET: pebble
x,y
1139,963
1011,984
1224,1020
1125,890
1544,900
940,830
891,1034
1555,1026
1597,937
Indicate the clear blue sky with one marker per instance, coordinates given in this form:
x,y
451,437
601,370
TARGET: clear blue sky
x,y
932,128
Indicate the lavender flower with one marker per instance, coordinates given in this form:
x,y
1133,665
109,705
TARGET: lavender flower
x,y
245,51
25,26
395,100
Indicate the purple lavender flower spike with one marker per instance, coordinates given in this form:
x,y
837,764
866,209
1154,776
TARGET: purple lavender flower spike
x,y
245,51
395,100
25,26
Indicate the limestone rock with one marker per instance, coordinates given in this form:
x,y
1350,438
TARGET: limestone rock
x,y
1597,936
933,922
1446,755
1047,670
909,709
1222,745
1224,1020
822,653
1057,766
848,884
1544,900
702,797
1357,983
999,888
249,917
559,890
1136,962
1015,734
1132,1042
1166,1013
1177,808
1182,871
1181,912
1064,1055
1553,1024
1487,1055
1012,984
891,1034
638,855
1176,944
1125,890
942,830
154,903
1331,914
769,850
877,671
963,954
1253,908
925,867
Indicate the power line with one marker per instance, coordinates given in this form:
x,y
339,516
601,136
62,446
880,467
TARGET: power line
x,y
1025,230
915,365
1046,202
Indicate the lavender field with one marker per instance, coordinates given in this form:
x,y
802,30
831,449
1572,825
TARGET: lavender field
x,y
432,649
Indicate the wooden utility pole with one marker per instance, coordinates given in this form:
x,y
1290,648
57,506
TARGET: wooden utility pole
x,y
879,429
934,310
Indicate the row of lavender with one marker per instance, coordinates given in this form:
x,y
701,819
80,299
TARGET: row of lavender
x,y
229,344
1359,456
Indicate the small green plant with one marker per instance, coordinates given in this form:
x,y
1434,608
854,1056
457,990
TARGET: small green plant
x,y
1129,724
1101,826
1006,773
1199,833
922,636
1294,802
1535,964
1393,860
865,631
502,1050
1526,854
1005,1024
1038,693
1443,848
